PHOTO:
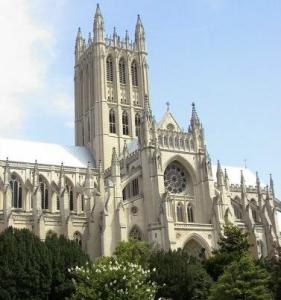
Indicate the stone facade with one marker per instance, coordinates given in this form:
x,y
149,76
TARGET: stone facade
x,y
152,181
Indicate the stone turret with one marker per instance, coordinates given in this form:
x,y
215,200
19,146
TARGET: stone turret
x,y
98,26
140,35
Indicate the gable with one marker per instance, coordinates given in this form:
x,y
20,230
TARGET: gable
x,y
168,122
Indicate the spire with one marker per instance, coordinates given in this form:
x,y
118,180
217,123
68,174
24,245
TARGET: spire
x,y
220,177
127,39
125,150
243,183
272,186
6,172
115,36
61,176
140,35
98,26
258,183
78,45
226,179
90,39
114,159
35,174
195,122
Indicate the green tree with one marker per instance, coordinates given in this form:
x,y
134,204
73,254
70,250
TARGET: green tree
x,y
25,269
232,246
109,279
134,251
65,254
273,266
179,276
243,280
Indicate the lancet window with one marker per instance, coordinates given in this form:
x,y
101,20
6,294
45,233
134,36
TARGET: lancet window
x,y
137,124
16,188
125,123
134,73
112,121
44,189
122,71
109,68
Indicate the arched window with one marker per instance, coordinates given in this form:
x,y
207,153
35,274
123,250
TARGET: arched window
x,y
134,71
122,71
176,179
82,203
237,209
44,189
135,233
69,190
254,209
125,123
77,237
109,68
58,202
179,213
16,188
193,248
112,121
190,214
137,124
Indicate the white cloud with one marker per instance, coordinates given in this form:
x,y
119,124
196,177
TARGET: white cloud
x,y
23,64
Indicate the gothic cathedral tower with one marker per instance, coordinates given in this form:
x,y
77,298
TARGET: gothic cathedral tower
x,y
111,83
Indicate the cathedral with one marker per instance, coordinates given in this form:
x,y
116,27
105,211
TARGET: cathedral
x,y
128,175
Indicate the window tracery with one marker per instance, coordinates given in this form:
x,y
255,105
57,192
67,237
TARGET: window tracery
x,y
109,68
175,179
16,188
125,123
134,71
44,192
122,71
112,121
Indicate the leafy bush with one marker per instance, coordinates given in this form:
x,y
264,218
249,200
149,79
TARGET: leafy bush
x,y
110,279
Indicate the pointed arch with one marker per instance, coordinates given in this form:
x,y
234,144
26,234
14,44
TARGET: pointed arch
x,y
16,185
182,161
122,71
134,73
77,237
137,124
196,246
135,233
177,179
112,121
69,187
190,213
125,122
109,68
44,189
180,217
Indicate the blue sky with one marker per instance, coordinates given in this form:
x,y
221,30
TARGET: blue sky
x,y
223,55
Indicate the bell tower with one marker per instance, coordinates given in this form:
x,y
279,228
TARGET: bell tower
x,y
111,83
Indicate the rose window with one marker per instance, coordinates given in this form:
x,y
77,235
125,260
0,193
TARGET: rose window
x,y
175,179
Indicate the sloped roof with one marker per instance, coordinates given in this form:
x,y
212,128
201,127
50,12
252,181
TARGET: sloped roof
x,y
234,175
168,119
45,153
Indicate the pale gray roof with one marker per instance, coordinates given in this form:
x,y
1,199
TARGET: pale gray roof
x,y
234,175
45,153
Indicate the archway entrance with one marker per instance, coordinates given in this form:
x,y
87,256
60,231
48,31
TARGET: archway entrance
x,y
193,248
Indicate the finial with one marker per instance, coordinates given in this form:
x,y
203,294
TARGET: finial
x,y
225,174
127,36
168,106
194,117
98,11
89,39
271,185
